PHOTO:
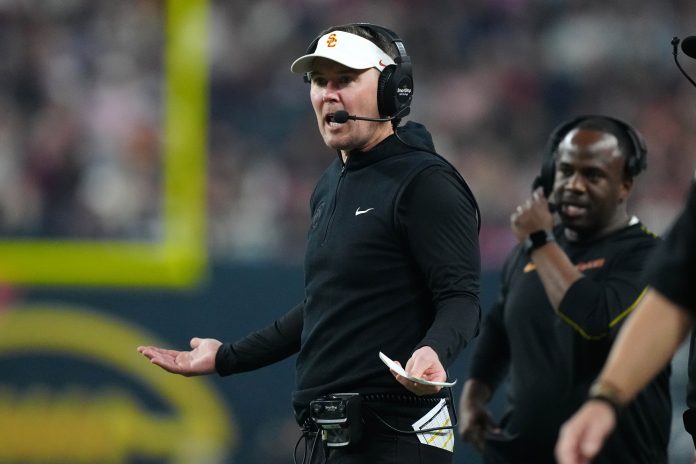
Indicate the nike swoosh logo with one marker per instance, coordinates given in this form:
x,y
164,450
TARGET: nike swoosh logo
x,y
358,212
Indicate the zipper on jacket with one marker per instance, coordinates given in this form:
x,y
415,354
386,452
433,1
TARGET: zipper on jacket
x,y
333,205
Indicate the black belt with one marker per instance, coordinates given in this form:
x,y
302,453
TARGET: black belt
x,y
402,399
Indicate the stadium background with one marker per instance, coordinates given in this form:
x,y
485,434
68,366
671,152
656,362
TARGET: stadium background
x,y
156,158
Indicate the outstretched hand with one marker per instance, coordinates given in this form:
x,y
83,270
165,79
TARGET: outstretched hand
x,y
425,364
200,360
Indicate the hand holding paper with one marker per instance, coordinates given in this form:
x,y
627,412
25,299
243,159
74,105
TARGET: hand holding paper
x,y
400,370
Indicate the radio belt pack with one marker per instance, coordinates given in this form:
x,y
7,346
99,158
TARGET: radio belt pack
x,y
338,417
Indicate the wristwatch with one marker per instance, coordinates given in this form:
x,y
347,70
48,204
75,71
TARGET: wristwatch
x,y
538,239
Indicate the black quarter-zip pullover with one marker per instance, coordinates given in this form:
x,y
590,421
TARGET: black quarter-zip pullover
x,y
392,264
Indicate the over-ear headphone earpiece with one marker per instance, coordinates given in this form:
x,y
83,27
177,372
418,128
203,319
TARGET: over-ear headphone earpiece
x,y
395,85
636,160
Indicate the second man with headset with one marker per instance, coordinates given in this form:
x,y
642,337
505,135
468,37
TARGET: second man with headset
x,y
565,292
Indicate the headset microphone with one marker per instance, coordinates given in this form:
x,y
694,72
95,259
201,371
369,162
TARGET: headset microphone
x,y
341,116
689,49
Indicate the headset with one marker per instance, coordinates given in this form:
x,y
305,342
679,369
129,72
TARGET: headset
x,y
636,160
395,85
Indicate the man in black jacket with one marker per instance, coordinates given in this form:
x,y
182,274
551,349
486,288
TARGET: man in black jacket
x,y
645,345
392,262
566,291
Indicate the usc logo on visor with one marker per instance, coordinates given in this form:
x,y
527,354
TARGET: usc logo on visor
x,y
331,41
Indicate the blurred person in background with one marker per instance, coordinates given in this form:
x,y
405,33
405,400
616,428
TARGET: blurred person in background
x,y
565,292
645,345
391,265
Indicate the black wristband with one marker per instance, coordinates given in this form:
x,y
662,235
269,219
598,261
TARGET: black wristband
x,y
614,406
538,239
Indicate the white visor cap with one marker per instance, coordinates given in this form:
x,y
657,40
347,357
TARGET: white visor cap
x,y
348,49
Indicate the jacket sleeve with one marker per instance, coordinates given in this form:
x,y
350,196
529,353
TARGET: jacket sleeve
x,y
491,354
438,217
673,266
596,305
266,346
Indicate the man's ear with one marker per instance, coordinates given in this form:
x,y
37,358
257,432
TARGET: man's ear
x,y
626,187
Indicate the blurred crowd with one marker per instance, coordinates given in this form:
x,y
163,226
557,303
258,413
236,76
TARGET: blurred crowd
x,y
81,108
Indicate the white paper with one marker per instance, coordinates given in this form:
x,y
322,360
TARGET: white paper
x,y
435,418
399,370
